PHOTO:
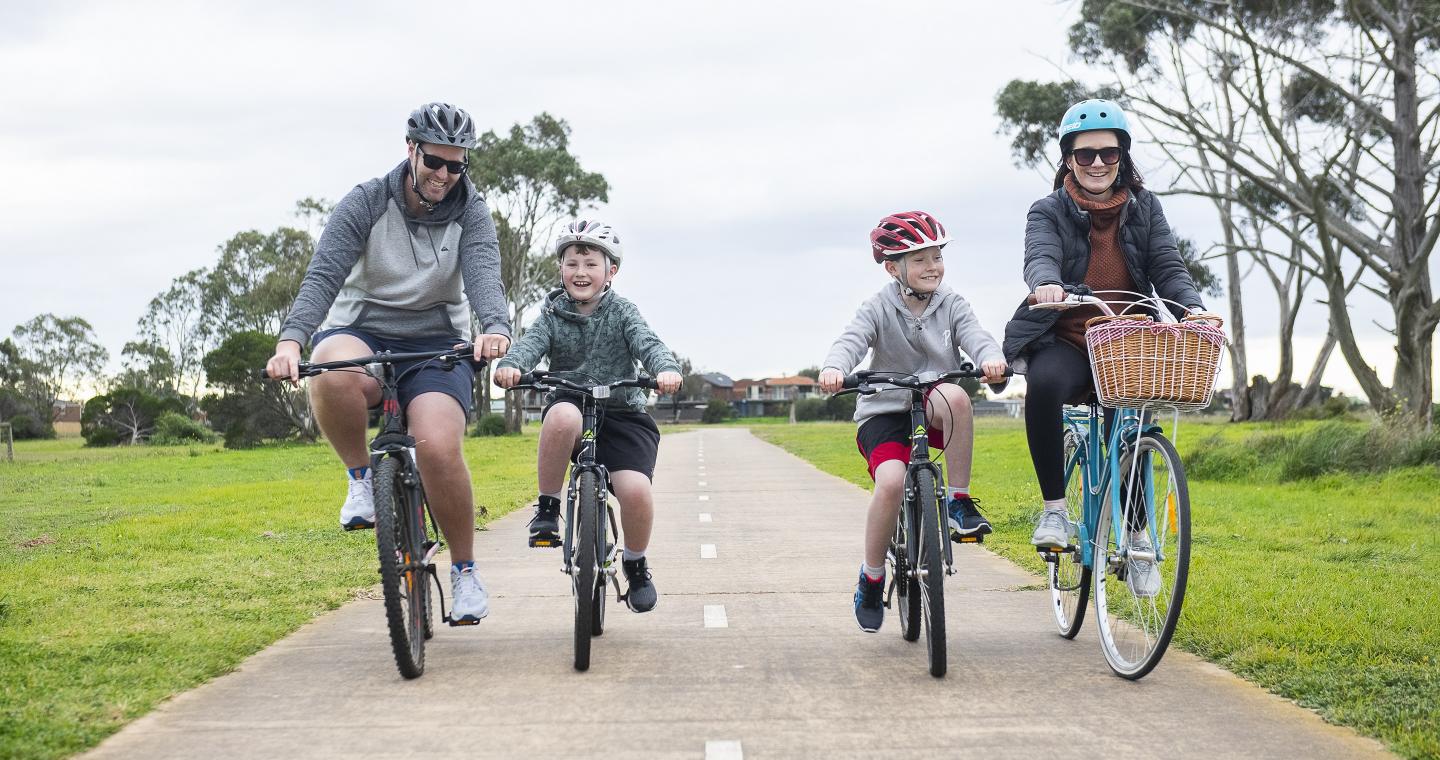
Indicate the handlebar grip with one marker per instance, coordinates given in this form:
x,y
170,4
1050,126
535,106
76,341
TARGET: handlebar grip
x,y
645,381
526,379
264,374
851,382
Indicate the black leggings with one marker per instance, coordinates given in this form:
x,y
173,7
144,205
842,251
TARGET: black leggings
x,y
1058,374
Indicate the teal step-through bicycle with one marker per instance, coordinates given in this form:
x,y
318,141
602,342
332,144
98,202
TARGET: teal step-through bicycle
x,y
1125,486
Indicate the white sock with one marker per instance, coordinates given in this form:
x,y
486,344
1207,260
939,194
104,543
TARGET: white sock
x,y
872,573
630,556
955,490
1055,505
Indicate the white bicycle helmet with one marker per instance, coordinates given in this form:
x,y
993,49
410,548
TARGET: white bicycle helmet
x,y
592,233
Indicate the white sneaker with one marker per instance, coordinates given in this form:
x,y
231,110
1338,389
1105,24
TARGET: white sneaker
x,y
358,512
470,602
1141,575
1053,529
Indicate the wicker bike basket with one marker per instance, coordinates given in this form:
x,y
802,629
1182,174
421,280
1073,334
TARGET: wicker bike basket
x,y
1140,363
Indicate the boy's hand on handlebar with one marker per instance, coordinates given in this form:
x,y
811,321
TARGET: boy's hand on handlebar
x,y
1049,294
669,382
285,364
505,377
490,346
994,372
831,380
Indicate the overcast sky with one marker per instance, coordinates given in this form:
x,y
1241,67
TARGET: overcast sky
x,y
750,147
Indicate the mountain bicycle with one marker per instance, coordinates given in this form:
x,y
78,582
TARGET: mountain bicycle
x,y
1127,497
919,555
405,544
591,540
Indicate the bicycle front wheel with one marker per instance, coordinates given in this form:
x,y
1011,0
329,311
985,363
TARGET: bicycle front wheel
x,y
586,566
1069,576
1142,563
932,568
402,578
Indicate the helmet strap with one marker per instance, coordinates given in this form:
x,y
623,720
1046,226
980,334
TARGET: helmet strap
x,y
903,277
415,180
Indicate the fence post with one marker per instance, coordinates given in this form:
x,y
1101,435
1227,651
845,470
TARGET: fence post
x,y
9,437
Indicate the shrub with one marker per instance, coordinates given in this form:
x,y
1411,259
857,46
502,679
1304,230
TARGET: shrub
x,y
1214,459
173,428
718,410
490,424
841,408
808,409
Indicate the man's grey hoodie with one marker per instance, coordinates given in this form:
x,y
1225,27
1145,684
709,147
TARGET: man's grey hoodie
x,y
380,270
601,347
932,342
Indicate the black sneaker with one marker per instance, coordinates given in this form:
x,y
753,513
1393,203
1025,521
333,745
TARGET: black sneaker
x,y
545,525
870,603
640,594
965,518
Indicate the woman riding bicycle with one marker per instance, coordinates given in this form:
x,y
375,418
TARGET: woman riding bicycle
x,y
1102,229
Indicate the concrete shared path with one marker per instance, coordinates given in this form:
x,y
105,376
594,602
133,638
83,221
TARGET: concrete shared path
x,y
752,652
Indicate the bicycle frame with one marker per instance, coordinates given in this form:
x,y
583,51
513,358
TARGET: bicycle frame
x,y
1102,466
585,462
920,460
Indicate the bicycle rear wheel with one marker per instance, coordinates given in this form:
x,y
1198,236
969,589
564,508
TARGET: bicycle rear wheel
x,y
907,588
932,566
1069,576
1137,619
586,565
402,578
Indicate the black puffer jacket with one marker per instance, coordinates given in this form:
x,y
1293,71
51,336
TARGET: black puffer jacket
x,y
1057,252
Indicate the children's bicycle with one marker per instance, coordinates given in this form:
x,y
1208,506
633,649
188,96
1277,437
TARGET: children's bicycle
x,y
406,546
1127,497
919,556
591,552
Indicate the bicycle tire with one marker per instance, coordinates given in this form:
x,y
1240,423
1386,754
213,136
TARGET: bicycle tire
x,y
1068,575
402,583
585,565
1136,628
907,588
597,615
932,563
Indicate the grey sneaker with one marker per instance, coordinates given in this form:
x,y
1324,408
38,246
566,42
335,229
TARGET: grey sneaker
x,y
1141,574
470,602
1052,530
641,594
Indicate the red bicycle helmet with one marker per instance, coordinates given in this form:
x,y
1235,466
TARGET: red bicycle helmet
x,y
899,234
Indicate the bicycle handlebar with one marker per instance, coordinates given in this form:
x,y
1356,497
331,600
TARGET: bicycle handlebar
x,y
859,382
547,381
462,352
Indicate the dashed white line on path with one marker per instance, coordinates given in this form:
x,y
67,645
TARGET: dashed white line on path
x,y
726,750
702,484
715,616
704,497
707,551
704,517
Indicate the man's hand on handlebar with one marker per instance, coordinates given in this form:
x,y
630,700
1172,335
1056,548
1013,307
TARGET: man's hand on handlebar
x,y
505,377
491,346
669,382
285,364
831,380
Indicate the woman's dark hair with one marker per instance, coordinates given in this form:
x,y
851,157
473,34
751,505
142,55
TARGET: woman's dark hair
x,y
1129,177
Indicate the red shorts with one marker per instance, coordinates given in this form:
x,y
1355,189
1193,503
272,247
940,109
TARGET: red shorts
x,y
887,436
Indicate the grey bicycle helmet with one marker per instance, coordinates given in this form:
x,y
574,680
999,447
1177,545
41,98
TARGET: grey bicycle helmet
x,y
441,124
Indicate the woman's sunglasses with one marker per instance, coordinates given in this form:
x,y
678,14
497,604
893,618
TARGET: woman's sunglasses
x,y
433,163
1086,156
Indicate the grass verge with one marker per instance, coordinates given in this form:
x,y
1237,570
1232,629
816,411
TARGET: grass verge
x,y
1322,590
128,575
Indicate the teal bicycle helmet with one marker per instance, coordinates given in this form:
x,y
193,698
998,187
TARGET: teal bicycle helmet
x,y
1093,114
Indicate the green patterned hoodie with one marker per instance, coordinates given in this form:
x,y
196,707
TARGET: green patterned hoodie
x,y
602,347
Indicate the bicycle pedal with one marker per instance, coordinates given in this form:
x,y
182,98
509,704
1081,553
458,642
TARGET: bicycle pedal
x,y
358,526
457,623
973,538
545,542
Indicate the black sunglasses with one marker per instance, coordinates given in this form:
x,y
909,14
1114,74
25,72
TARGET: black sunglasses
x,y
433,163
1086,156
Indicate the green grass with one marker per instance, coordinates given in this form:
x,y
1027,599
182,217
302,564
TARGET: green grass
x,y
1324,590
128,575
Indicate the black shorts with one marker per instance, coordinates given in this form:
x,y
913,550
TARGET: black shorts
x,y
887,436
457,383
624,439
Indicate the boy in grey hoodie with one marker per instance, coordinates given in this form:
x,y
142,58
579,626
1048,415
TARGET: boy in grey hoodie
x,y
587,330
915,324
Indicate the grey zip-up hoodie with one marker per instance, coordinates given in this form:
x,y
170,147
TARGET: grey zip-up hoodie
x,y
390,274
603,346
902,342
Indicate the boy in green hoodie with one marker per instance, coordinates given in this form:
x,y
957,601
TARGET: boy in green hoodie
x,y
587,330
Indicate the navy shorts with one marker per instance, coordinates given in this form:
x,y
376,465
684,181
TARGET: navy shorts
x,y
624,439
457,383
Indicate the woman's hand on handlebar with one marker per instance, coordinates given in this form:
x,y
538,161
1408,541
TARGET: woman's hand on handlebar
x,y
285,364
831,380
505,377
669,382
994,371
1049,294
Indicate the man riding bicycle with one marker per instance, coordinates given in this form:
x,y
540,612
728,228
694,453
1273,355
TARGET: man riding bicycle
x,y
400,265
